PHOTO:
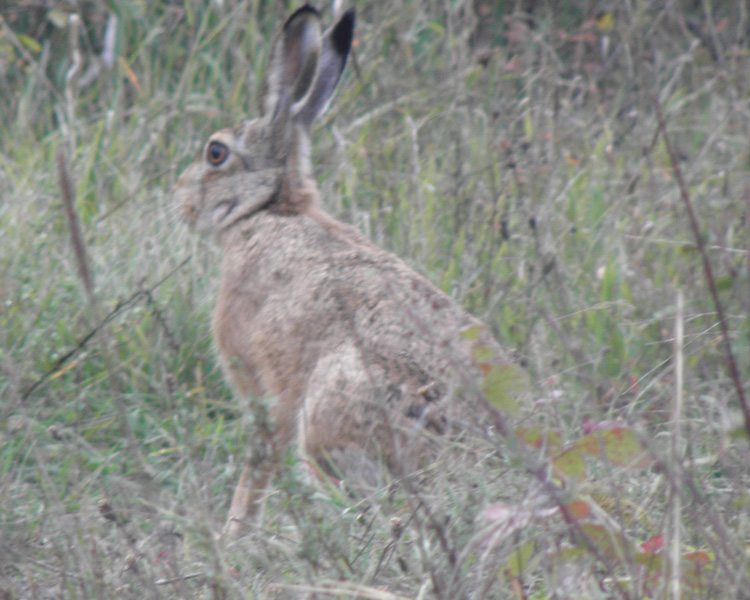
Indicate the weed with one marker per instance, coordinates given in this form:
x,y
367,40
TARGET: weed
x,y
509,151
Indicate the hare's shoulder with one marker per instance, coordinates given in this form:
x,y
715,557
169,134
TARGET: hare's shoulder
x,y
380,282
399,317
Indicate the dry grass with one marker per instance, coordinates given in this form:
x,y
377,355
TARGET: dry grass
x,y
514,158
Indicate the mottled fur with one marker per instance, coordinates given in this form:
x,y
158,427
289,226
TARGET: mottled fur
x,y
355,351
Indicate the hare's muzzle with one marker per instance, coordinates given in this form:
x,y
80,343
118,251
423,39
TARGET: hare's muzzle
x,y
189,212
183,195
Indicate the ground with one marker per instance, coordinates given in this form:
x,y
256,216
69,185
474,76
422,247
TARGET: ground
x,y
513,153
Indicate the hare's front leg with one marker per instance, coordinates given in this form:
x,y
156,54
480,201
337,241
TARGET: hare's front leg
x,y
268,445
248,495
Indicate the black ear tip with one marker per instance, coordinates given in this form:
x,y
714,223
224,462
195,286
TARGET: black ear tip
x,y
302,10
343,33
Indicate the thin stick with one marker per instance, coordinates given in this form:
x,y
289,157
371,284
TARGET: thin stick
x,y
706,268
75,228
677,452
121,306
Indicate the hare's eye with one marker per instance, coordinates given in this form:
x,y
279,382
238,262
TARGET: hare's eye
x,y
216,153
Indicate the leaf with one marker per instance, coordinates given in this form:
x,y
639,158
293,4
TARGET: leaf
x,y
623,448
536,438
64,370
471,333
619,444
570,465
606,541
130,73
6,51
569,555
483,353
518,559
591,444
651,565
654,544
699,559
724,283
528,126
436,27
29,43
605,22
503,384
58,18
579,509
698,570
485,368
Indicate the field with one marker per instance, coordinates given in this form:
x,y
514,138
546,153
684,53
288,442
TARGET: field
x,y
576,174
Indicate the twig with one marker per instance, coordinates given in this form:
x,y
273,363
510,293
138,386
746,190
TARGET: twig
x,y
75,228
676,491
151,303
706,266
726,556
122,305
178,579
338,589
391,547
72,76
540,472
746,297
8,34
118,205
43,565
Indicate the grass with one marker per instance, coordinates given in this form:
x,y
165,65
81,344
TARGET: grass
x,y
516,160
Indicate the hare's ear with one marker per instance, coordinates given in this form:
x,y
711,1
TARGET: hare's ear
x,y
337,42
293,62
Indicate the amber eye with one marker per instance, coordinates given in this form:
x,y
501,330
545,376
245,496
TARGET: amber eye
x,y
216,153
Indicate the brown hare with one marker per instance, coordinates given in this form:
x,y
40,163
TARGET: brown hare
x,y
354,351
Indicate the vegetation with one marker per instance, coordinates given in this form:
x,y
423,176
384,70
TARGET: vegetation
x,y
512,152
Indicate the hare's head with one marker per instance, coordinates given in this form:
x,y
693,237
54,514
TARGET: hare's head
x,y
264,164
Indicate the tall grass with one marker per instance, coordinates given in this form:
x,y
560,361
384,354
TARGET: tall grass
x,y
509,151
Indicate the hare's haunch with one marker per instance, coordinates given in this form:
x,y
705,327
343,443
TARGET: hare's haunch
x,y
355,351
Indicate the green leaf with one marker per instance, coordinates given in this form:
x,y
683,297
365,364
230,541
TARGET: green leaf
x,y
58,18
6,51
724,283
471,333
519,559
436,27
483,354
528,126
570,464
620,445
536,438
698,569
29,43
503,384
609,543
739,433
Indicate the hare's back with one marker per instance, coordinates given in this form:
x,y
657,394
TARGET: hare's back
x,y
305,285
420,337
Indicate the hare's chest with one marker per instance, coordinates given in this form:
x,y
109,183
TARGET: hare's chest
x,y
234,340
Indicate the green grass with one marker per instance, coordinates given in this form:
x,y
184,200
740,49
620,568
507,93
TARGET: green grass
x,y
516,164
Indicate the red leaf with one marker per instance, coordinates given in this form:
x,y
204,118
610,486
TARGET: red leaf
x,y
579,509
653,545
699,558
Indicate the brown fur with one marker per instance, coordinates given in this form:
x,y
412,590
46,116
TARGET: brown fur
x,y
354,350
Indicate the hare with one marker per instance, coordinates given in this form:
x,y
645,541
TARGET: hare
x,y
354,350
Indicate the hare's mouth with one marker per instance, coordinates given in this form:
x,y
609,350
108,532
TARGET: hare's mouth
x,y
223,209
